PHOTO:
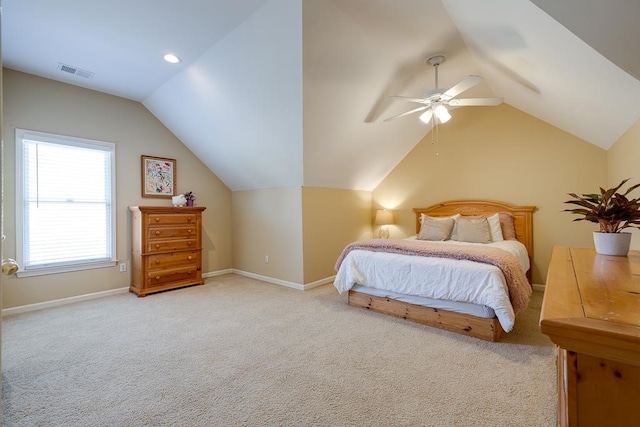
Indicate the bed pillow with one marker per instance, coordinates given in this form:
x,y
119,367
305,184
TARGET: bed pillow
x,y
474,230
507,226
454,232
455,217
495,230
435,228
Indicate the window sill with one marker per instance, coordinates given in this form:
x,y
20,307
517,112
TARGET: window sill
x,y
64,269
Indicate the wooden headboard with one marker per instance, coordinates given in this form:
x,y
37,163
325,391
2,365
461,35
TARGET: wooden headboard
x,y
522,216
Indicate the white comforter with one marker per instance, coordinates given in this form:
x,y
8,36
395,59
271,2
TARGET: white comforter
x,y
439,278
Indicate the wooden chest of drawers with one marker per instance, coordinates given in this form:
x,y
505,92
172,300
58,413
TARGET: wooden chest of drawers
x,y
166,248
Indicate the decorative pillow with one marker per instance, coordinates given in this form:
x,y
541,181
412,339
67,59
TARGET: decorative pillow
x,y
455,217
441,218
435,228
474,230
507,226
494,228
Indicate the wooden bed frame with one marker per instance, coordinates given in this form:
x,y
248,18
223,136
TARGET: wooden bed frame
x,y
487,329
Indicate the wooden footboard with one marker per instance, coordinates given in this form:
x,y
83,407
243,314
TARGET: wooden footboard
x,y
486,329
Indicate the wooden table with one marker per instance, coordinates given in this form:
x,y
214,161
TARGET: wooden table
x,y
591,310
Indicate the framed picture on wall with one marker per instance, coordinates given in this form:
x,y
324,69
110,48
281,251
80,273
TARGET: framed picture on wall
x,y
158,177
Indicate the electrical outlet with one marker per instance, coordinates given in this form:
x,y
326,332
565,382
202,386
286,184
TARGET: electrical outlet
x,y
123,267
266,259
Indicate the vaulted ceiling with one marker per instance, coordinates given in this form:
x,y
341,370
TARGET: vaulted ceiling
x,y
275,93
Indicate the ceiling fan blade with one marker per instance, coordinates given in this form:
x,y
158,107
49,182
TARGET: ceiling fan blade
x,y
466,84
406,98
475,102
406,113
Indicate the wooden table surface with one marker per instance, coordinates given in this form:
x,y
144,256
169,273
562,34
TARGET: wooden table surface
x,y
592,303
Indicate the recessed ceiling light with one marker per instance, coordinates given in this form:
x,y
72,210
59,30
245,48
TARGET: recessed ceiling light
x,y
170,57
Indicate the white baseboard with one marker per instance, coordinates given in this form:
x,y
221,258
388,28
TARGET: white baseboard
x,y
87,297
301,287
285,283
217,273
319,282
62,301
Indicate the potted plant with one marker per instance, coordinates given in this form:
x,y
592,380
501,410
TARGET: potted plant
x,y
614,212
190,198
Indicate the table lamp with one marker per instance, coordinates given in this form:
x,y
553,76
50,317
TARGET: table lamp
x,y
383,218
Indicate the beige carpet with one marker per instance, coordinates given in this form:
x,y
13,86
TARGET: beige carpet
x,y
240,352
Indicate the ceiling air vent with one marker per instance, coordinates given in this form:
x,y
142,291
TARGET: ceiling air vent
x,y
75,71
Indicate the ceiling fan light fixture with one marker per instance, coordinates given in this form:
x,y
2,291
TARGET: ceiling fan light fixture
x,y
442,114
436,101
426,116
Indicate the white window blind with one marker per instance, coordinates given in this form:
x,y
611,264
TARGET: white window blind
x,y
65,203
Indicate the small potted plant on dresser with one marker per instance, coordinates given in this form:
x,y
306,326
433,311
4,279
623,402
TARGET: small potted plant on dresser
x,y
190,198
614,212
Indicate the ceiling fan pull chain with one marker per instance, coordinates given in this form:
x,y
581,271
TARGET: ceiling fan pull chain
x,y
437,140
432,132
435,134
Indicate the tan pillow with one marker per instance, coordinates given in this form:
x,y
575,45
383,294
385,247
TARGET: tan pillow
x,y
453,234
507,226
474,230
495,231
435,228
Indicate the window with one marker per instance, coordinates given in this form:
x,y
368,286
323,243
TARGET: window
x,y
65,203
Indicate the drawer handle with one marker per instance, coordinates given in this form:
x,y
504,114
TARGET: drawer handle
x,y
189,258
189,231
188,219
157,261
188,243
157,245
157,219
158,233
157,277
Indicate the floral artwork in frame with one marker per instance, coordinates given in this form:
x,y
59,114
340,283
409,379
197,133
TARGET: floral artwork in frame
x,y
158,177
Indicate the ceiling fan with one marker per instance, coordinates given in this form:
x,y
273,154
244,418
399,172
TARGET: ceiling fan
x,y
435,101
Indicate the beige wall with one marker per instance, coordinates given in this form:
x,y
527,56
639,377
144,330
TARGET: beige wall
x,y
268,222
35,103
623,160
301,229
503,154
331,219
497,153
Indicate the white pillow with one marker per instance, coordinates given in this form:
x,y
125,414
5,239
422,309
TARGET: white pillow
x,y
494,228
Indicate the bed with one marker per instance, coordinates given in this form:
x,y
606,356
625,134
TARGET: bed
x,y
369,274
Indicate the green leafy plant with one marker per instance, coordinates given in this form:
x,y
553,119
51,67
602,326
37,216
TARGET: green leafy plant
x,y
612,210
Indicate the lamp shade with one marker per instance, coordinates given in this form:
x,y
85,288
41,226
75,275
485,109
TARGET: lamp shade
x,y
383,217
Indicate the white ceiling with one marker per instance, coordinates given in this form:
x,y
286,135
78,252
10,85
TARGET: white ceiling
x,y
352,56
121,41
